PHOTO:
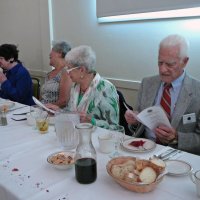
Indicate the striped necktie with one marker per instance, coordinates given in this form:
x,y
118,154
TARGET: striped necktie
x,y
166,103
166,100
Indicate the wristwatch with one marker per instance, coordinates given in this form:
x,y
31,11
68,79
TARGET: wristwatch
x,y
174,141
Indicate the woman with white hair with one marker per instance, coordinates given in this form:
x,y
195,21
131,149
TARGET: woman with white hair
x,y
94,97
57,85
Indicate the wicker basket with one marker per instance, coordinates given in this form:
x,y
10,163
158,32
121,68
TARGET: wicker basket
x,y
136,186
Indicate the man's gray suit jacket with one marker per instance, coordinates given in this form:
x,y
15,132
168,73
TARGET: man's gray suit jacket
x,y
188,102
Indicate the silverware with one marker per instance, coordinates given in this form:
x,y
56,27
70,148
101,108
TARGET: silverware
x,y
24,113
172,155
166,153
19,119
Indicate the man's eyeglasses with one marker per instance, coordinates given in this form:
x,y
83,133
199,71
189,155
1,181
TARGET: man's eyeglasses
x,y
71,69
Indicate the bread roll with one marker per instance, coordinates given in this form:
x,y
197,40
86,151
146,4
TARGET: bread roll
x,y
131,162
117,171
158,165
131,177
120,170
141,164
148,175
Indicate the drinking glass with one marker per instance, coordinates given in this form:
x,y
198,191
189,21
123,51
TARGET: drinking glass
x,y
34,113
42,122
195,177
118,135
40,117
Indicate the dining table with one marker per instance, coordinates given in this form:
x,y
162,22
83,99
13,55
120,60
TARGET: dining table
x,y
25,173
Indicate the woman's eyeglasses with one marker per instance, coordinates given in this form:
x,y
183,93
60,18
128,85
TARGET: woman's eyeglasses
x,y
71,69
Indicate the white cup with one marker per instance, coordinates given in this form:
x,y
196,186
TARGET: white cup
x,y
106,143
195,177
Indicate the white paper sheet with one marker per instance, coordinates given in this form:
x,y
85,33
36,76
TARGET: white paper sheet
x,y
153,117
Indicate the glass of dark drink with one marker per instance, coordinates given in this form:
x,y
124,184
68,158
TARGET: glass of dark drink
x,y
85,157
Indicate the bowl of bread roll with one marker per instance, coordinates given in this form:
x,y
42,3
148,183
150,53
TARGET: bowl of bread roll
x,y
136,174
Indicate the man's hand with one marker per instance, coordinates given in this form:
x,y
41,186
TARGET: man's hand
x,y
165,134
130,117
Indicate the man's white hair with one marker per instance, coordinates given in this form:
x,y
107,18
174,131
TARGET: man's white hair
x,y
176,40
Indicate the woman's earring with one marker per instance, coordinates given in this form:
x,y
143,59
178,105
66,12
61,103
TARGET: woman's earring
x,y
81,76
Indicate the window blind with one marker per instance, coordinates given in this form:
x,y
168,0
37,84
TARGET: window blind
x,y
106,8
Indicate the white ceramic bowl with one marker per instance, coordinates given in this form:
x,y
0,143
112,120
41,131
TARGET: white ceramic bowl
x,y
61,159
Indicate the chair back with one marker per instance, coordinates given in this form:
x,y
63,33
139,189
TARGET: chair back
x,y
122,110
36,87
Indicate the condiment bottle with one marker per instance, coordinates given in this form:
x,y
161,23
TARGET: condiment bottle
x,y
85,157
3,118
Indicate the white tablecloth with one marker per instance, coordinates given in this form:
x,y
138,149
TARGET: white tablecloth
x,y
26,175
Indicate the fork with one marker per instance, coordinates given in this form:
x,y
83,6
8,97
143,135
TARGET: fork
x,y
165,154
172,155
19,119
24,113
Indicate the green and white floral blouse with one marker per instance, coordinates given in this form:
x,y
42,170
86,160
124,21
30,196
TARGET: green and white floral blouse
x,y
100,100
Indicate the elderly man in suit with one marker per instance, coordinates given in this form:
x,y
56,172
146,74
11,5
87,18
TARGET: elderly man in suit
x,y
183,96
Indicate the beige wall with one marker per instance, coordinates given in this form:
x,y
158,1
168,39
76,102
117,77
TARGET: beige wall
x,y
126,51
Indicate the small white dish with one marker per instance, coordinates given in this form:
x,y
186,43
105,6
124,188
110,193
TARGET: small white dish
x,y
178,167
138,145
61,159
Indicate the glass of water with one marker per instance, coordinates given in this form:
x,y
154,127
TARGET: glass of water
x,y
118,135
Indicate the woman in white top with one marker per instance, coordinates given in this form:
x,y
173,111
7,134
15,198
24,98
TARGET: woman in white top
x,y
56,89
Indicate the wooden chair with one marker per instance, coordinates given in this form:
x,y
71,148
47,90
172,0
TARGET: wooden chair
x,y
36,87
122,110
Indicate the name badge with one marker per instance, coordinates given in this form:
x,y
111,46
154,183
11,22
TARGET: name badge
x,y
189,118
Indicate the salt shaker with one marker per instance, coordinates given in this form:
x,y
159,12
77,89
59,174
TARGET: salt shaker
x,y
3,118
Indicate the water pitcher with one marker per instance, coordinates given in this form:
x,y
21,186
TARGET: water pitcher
x,y
65,129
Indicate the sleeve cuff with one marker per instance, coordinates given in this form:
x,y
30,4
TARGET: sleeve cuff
x,y
93,121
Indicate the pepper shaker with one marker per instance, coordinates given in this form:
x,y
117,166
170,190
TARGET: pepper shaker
x,y
3,118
